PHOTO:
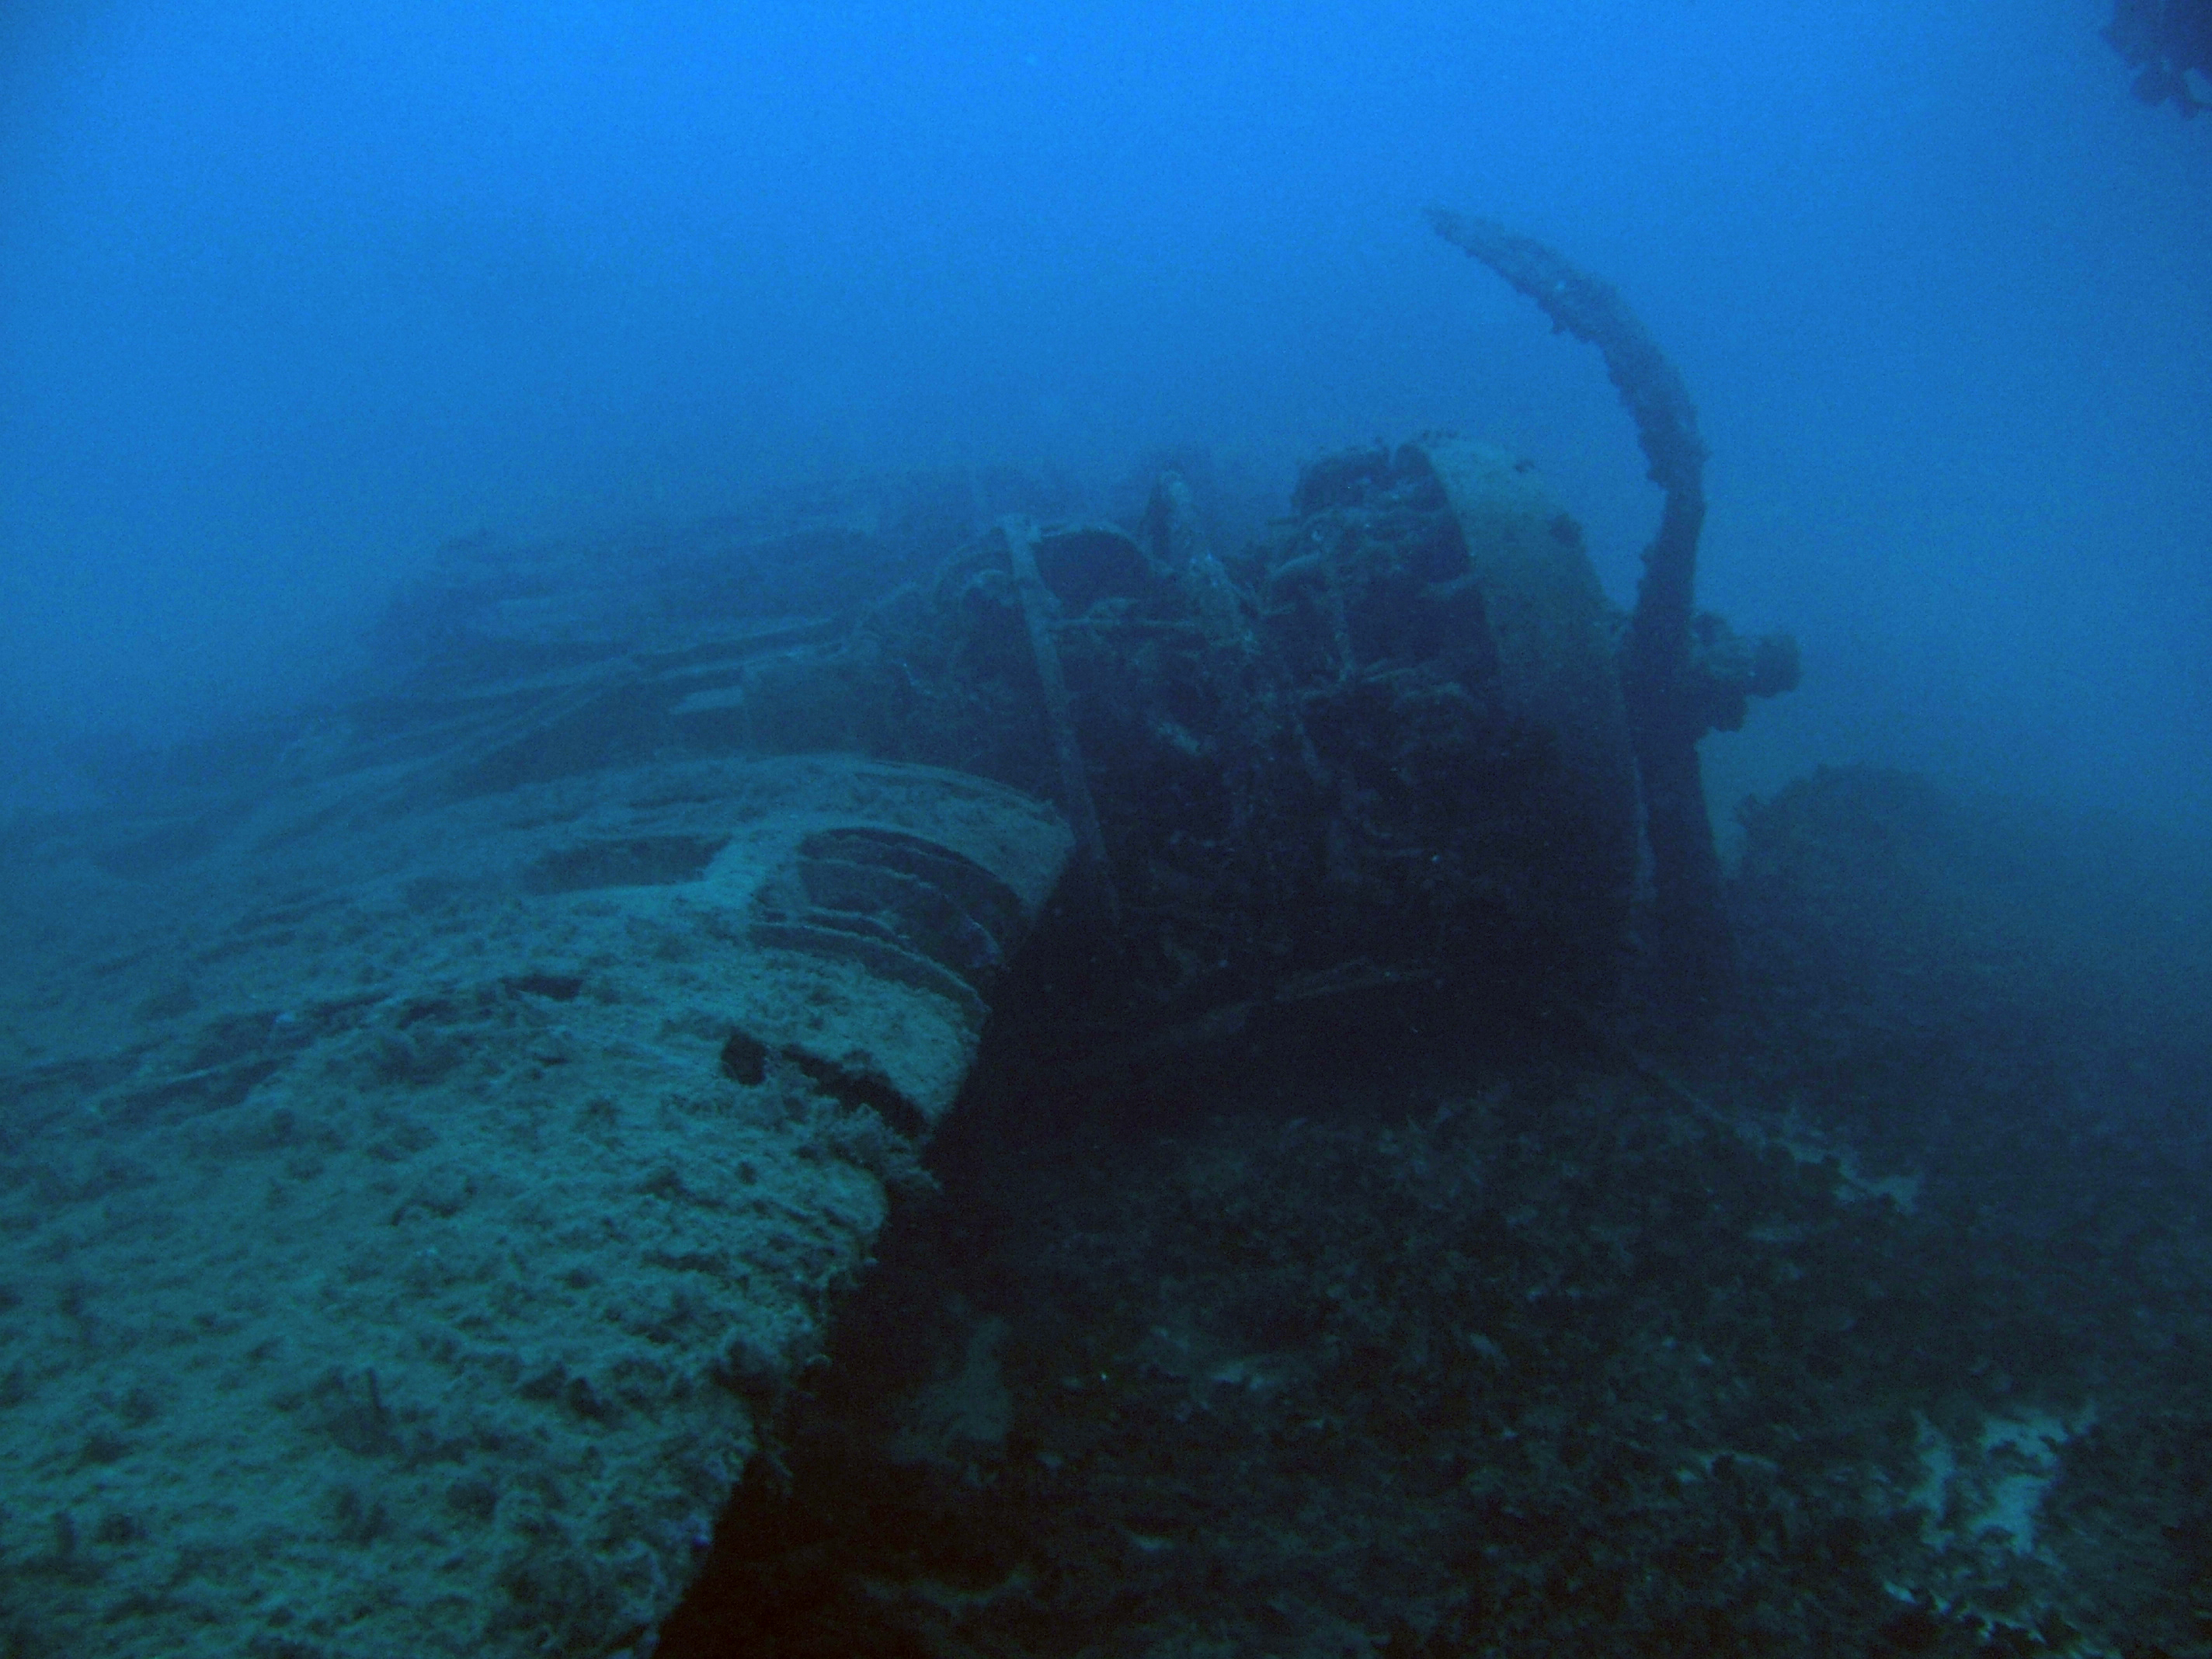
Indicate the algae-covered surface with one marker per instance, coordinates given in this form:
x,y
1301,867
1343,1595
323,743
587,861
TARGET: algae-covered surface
x,y
413,1196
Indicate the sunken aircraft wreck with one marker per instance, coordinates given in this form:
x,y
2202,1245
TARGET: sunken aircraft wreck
x,y
438,1132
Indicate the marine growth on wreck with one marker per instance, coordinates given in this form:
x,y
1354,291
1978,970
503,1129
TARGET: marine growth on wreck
x,y
930,1066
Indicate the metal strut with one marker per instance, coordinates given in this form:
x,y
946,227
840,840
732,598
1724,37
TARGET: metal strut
x,y
1021,536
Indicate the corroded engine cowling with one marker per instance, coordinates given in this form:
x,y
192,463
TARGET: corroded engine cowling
x,y
1386,743
1451,654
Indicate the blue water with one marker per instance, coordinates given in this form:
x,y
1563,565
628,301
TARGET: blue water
x,y
287,298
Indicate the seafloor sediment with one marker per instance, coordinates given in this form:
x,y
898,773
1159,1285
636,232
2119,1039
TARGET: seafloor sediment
x,y
1880,1329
